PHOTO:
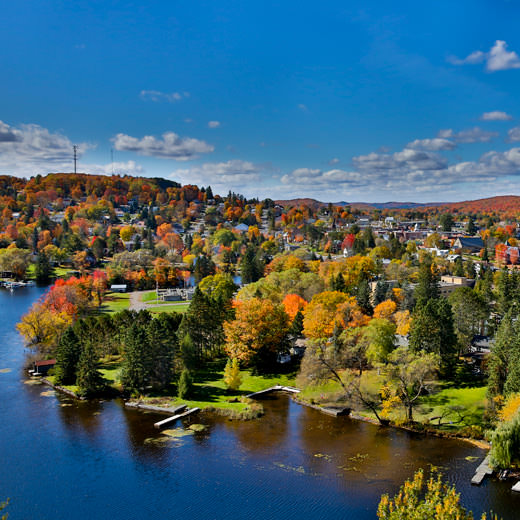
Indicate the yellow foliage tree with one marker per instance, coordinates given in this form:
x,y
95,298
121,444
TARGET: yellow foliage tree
x,y
385,309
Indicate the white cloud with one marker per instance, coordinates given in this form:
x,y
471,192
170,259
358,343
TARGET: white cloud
x,y
513,134
496,115
118,168
303,107
334,161
213,124
407,159
224,175
170,146
157,96
472,135
498,58
29,149
435,145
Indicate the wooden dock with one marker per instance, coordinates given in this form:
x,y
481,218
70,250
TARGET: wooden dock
x,y
481,472
158,409
276,388
164,422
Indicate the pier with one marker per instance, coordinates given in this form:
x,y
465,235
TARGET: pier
x,y
161,424
481,471
276,388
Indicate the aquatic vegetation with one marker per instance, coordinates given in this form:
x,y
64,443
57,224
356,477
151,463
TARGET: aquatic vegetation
x,y
5,370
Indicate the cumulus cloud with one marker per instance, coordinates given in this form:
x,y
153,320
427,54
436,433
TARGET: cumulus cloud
x,y
160,97
472,135
228,175
435,145
169,146
28,149
334,161
303,107
213,124
496,115
408,159
118,168
497,58
513,134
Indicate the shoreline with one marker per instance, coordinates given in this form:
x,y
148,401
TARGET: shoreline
x,y
235,415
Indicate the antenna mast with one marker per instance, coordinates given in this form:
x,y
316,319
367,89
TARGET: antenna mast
x,y
75,147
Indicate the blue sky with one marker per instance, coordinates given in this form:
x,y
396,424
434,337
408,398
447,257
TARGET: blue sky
x,y
347,101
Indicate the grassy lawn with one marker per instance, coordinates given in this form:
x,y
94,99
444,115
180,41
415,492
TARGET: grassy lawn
x,y
58,271
472,400
149,297
180,307
115,302
210,390
445,400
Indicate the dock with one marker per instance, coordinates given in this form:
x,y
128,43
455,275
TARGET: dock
x,y
164,422
482,470
158,409
276,388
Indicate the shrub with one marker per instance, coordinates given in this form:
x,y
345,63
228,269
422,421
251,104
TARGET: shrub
x,y
185,385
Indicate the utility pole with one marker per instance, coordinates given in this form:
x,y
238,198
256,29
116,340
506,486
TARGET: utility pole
x,y
75,147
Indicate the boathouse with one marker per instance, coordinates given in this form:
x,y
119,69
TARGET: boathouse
x,y
41,368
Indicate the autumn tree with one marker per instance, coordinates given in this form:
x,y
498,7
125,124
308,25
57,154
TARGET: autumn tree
x,y
232,376
410,373
415,501
293,303
258,332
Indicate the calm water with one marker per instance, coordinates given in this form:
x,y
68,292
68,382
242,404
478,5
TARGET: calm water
x,y
66,460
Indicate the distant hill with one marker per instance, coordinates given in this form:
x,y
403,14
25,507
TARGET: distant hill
x,y
359,205
503,203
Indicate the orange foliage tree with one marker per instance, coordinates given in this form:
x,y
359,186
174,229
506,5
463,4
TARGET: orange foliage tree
x,y
258,331
293,303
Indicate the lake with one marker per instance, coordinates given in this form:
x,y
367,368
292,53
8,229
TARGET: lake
x,y
63,459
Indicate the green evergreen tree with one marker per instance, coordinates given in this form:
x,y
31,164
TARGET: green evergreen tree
x,y
43,271
363,297
135,373
471,229
432,330
427,287
185,385
459,267
251,267
380,292
89,379
68,353
297,324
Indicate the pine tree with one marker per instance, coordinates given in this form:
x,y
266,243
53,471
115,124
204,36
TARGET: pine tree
x,y
427,286
43,270
471,229
363,297
68,353
135,374
232,376
185,385
297,325
89,379
380,292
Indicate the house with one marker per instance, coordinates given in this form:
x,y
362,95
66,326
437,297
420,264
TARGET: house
x,y
118,288
469,244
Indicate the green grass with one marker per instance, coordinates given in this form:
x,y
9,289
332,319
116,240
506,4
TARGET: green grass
x,y
58,271
149,297
471,399
210,390
180,307
115,302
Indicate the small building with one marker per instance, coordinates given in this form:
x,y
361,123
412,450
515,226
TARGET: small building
x,y
118,288
41,368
